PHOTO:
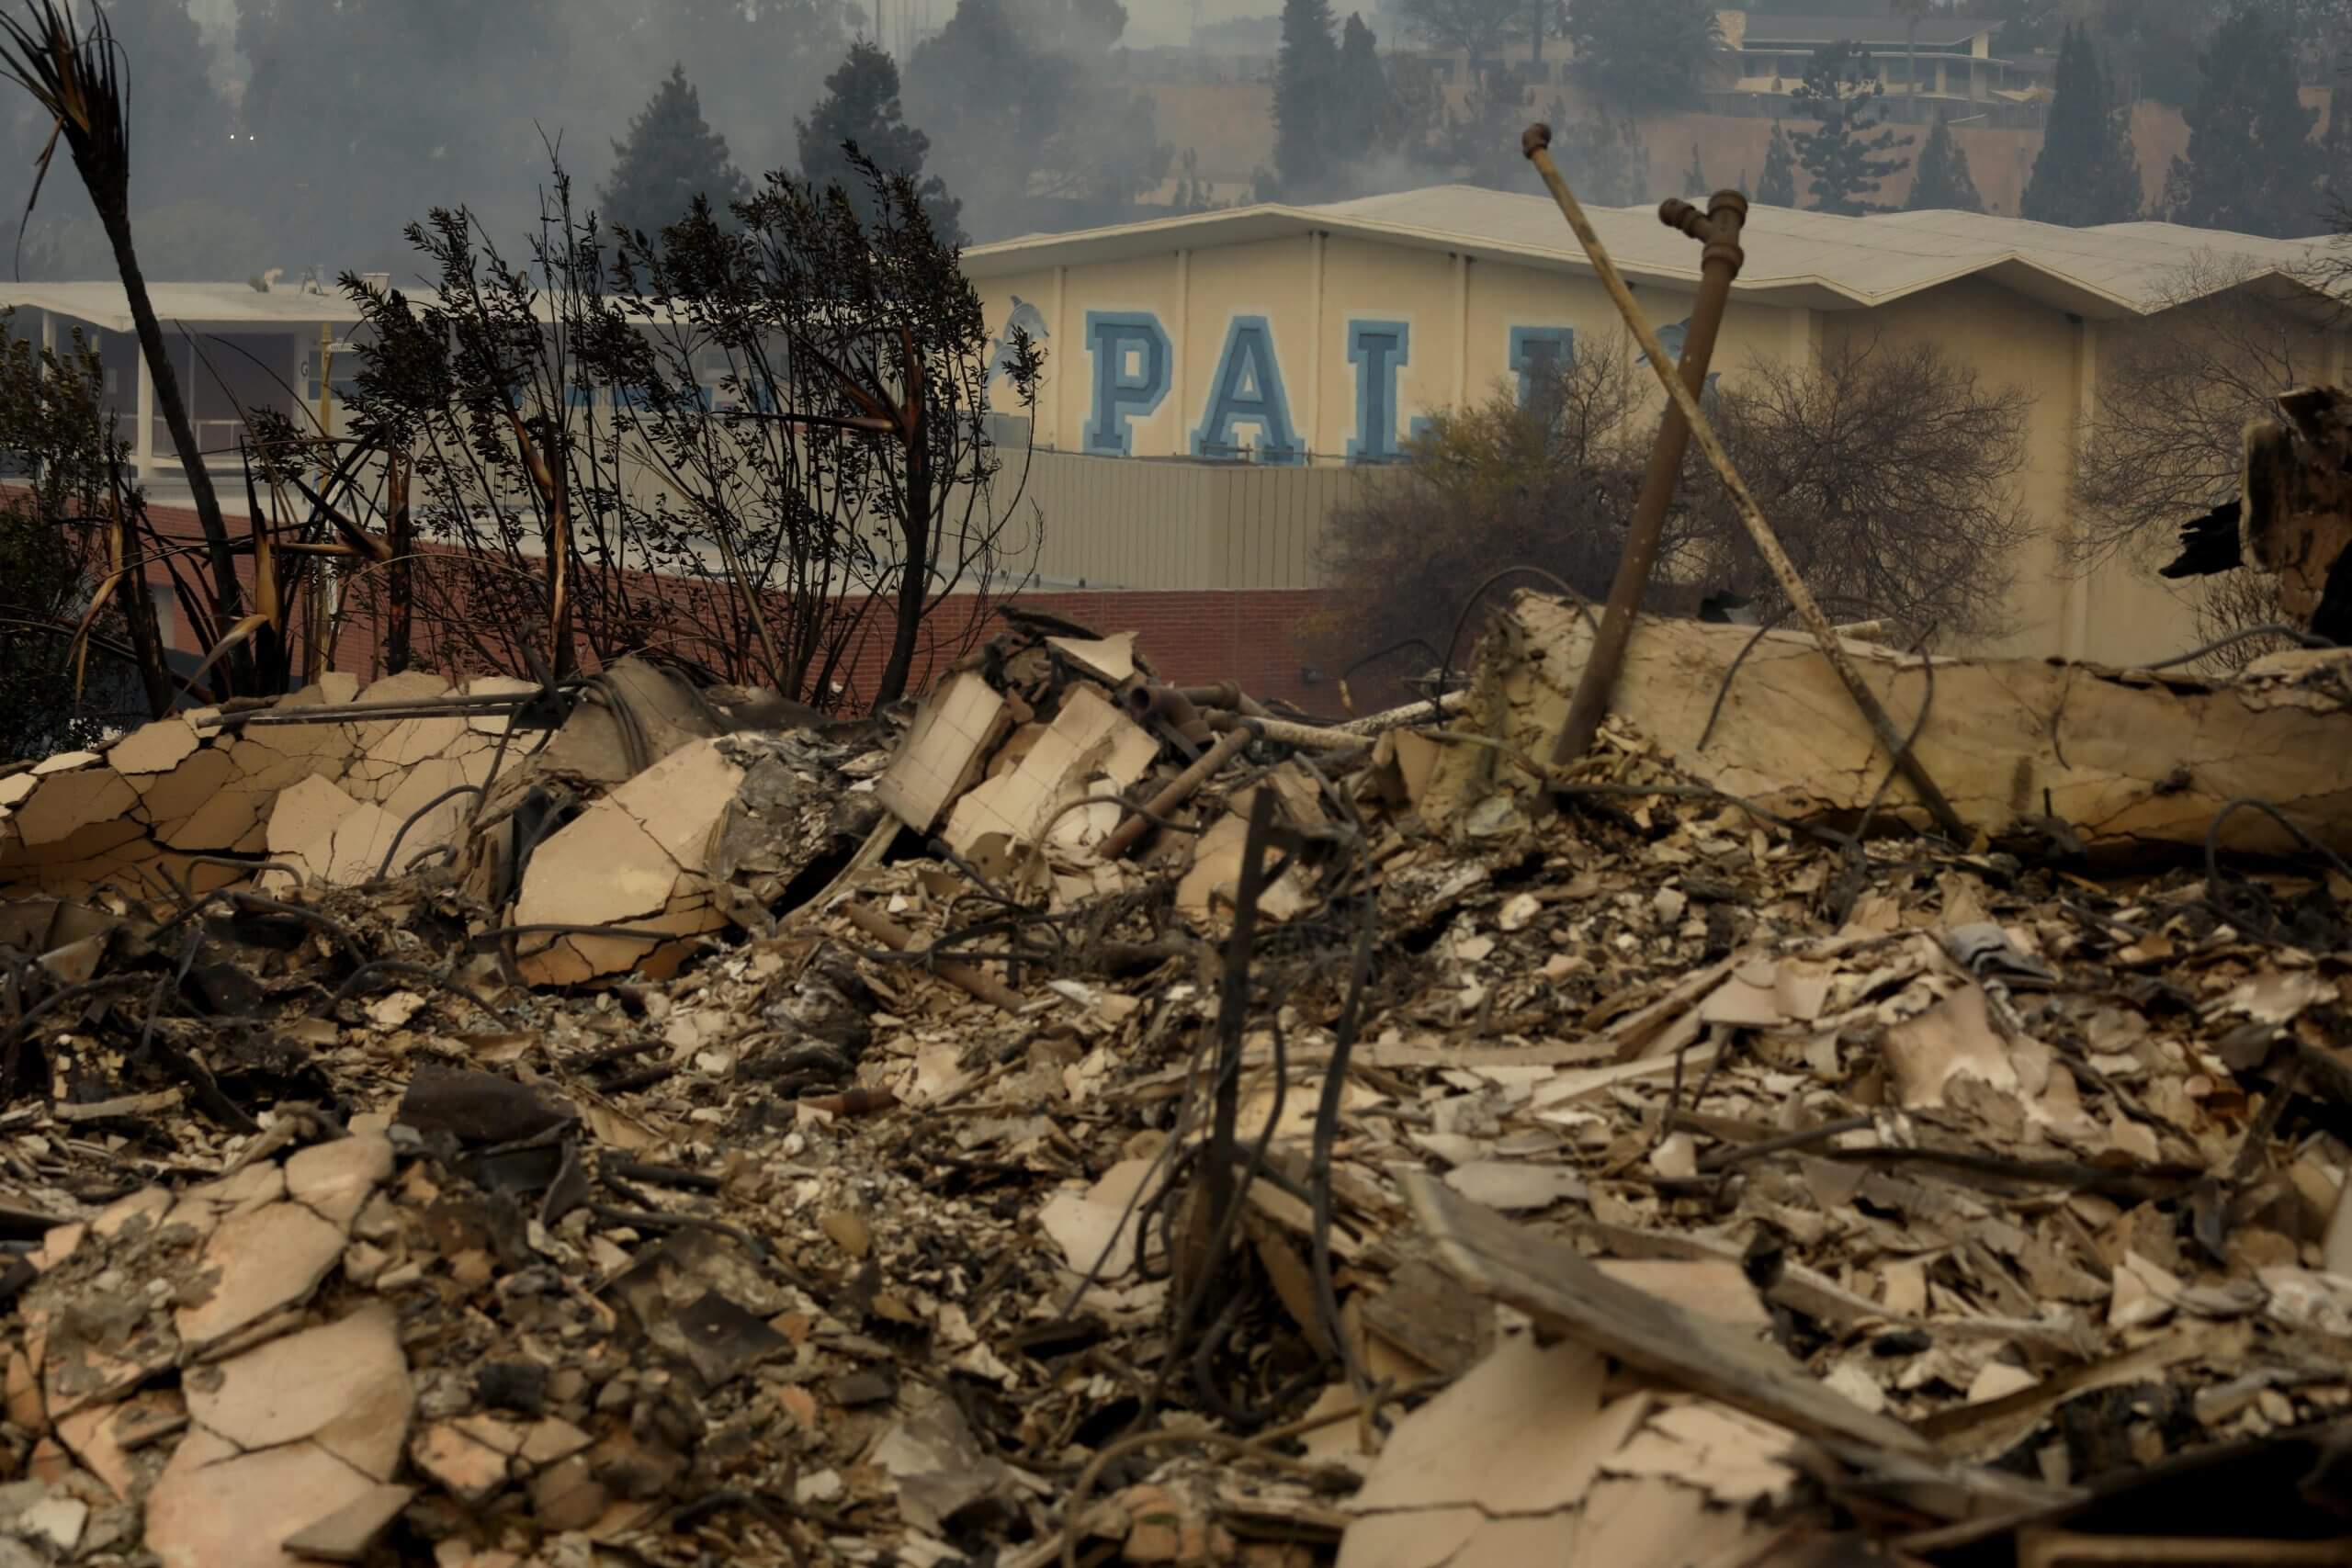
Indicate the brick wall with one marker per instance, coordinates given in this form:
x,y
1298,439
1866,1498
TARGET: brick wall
x,y
1256,636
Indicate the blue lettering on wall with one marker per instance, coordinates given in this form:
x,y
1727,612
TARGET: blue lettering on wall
x,y
1539,354
1131,373
1376,349
1248,390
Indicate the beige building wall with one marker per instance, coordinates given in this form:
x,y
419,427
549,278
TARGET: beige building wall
x,y
1128,522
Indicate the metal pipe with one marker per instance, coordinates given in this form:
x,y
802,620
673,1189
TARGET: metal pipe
x,y
1312,737
1718,229
898,938
1168,702
1180,789
1226,694
1536,144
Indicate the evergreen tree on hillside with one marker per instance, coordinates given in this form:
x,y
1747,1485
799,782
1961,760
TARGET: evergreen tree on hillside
x,y
1306,74
1943,183
1694,178
1365,114
1851,149
1476,27
2086,172
1645,50
861,109
1482,141
1604,157
670,157
2251,165
1025,104
1779,185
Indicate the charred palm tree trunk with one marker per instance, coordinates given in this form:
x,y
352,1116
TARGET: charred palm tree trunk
x,y
77,79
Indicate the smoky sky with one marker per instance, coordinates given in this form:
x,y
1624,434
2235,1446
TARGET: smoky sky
x,y
301,133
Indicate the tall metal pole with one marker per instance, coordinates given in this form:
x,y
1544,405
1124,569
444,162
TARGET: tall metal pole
x,y
1537,144
1719,228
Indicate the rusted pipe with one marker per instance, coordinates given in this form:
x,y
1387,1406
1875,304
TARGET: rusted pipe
x,y
898,938
1167,702
1718,229
1180,789
1310,736
1226,694
1537,144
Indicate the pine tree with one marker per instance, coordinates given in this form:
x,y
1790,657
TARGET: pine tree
x,y
1694,178
1779,185
1363,109
670,157
1604,156
2086,172
861,109
1847,154
2251,167
1306,89
1644,50
1942,182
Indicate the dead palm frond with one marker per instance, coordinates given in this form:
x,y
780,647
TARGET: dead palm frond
x,y
79,78
80,82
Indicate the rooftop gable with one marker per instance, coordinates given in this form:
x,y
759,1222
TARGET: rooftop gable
x,y
1810,259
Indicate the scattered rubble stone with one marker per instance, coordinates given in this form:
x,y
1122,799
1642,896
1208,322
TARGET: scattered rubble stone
x,y
1690,1179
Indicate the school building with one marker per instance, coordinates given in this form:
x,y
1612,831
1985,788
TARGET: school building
x,y
1282,350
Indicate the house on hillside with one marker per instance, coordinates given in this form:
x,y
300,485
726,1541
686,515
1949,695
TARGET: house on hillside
x,y
1215,383
1942,58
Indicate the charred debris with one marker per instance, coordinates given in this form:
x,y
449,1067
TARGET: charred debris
x,y
1686,1094
1089,1119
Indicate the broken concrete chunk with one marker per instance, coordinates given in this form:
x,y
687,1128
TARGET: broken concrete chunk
x,y
333,1180
680,800
1110,659
346,1535
1513,1186
2123,761
258,1262
567,1495
302,823
954,732
345,1385
601,868
1090,747
1087,1226
1523,1430
464,1466
153,747
66,803
1953,1039
210,1511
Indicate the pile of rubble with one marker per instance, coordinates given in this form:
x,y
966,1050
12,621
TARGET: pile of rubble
x,y
1092,1121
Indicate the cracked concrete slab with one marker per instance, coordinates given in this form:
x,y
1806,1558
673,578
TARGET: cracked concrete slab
x,y
2125,758
260,1261
215,1511
344,1386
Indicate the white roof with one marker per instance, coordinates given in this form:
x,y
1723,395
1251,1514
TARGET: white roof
x,y
1809,259
212,304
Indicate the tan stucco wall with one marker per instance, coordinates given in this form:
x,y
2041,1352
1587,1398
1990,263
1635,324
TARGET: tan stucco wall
x,y
1461,315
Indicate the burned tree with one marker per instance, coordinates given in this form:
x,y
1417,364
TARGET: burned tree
x,y
1889,474
732,443
2164,439
78,646
1543,477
